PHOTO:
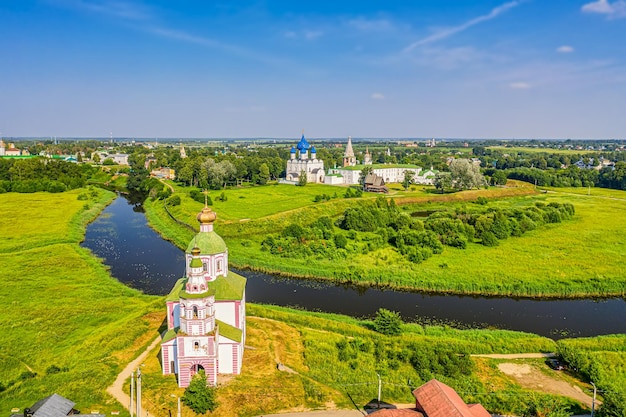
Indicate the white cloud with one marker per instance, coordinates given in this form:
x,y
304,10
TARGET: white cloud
x,y
371,25
614,10
519,85
377,96
313,34
446,33
565,49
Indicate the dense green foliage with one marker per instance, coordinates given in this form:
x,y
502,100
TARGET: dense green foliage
x,y
387,322
198,396
601,360
381,223
42,174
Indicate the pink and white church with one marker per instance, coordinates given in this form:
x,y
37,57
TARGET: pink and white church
x,y
206,311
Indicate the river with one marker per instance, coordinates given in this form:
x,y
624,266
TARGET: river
x,y
140,258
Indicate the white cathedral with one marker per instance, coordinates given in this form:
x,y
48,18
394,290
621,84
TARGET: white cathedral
x,y
206,311
303,161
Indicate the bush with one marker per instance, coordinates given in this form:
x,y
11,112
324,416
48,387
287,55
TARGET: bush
x,y
388,322
174,200
489,239
198,396
341,241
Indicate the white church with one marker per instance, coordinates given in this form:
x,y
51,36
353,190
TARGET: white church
x,y
303,161
206,311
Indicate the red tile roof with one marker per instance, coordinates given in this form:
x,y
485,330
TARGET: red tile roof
x,y
403,412
436,399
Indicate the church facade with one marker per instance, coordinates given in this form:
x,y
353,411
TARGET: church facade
x,y
303,161
206,314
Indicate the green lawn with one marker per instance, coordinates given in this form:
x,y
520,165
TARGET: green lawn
x,y
63,308
585,256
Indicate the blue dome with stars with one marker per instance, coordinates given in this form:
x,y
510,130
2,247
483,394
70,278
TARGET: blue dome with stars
x,y
293,150
313,149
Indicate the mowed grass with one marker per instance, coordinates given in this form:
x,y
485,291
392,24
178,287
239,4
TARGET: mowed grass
x,y
585,256
62,308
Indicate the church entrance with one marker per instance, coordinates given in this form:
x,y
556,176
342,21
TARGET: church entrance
x,y
195,369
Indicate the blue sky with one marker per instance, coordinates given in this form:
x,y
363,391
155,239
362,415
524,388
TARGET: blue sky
x,y
237,68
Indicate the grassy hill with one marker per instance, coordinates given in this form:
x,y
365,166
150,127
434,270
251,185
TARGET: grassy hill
x,y
68,327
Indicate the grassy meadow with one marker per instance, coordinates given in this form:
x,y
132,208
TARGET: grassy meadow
x,y
331,358
581,257
68,326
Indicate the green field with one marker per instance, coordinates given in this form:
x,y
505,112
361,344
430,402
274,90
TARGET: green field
x,y
329,357
581,257
523,149
63,311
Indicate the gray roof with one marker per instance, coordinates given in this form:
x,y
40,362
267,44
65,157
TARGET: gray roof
x,y
52,406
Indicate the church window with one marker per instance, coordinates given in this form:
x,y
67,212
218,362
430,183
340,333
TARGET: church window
x,y
205,266
196,345
219,266
195,312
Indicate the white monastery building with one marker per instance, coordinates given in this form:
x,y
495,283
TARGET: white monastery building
x,y
303,160
350,173
206,311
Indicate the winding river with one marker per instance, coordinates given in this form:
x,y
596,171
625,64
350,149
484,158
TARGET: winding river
x,y
140,258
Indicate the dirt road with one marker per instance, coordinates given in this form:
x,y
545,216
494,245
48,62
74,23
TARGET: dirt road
x,y
116,389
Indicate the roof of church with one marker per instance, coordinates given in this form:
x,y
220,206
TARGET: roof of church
x,y
303,145
210,243
224,288
349,152
228,331
313,149
293,149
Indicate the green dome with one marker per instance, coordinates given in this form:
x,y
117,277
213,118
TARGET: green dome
x,y
210,243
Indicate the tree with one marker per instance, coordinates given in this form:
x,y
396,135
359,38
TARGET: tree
x,y
465,174
96,158
409,178
443,181
264,174
363,175
302,179
499,178
198,396
387,322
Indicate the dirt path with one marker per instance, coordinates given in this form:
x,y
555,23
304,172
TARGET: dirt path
x,y
517,355
116,389
532,378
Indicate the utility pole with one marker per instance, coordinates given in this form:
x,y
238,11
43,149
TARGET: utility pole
x,y
138,392
593,402
132,391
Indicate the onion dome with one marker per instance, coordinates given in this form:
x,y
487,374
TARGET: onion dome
x,y
303,145
293,149
195,251
206,216
313,149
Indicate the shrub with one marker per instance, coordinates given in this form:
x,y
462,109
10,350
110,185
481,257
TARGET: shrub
x,y
489,239
388,322
174,200
341,241
198,396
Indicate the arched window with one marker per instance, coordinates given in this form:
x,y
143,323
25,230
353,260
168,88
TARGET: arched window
x,y
205,266
196,345
219,266
195,312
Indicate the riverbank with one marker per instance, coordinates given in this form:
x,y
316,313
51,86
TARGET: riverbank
x,y
578,258
70,327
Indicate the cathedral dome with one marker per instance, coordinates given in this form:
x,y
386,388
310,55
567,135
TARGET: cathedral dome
x,y
313,149
303,145
293,150
206,216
